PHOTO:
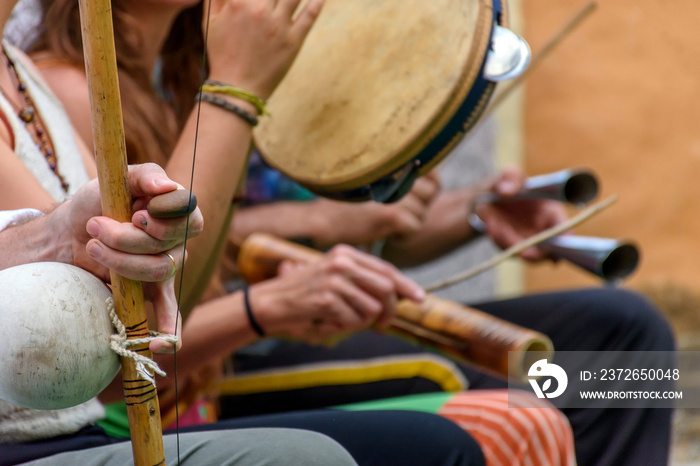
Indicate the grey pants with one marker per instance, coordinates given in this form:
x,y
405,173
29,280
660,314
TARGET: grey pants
x,y
242,447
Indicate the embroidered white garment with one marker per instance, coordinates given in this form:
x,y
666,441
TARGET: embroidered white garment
x,y
70,163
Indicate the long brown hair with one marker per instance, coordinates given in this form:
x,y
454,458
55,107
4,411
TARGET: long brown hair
x,y
150,133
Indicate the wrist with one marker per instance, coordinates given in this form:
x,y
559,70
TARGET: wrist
x,y
29,238
252,320
219,87
60,246
261,307
226,104
250,84
241,103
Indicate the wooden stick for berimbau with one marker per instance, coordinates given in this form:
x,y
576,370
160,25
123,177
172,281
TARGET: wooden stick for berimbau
x,y
110,152
523,245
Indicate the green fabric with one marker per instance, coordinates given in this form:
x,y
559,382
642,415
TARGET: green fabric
x,y
116,422
425,402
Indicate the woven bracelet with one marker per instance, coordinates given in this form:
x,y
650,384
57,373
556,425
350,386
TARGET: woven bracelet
x,y
249,312
217,87
248,117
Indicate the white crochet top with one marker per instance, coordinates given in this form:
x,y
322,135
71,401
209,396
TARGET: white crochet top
x,y
20,424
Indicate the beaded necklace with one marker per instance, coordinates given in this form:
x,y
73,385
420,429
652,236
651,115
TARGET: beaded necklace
x,y
33,122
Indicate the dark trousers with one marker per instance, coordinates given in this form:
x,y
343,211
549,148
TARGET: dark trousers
x,y
600,319
373,438
378,437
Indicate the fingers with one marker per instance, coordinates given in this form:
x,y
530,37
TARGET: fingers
x,y
146,236
506,236
404,286
370,286
287,7
405,218
343,306
344,291
306,17
367,292
510,182
172,229
434,176
141,267
162,296
426,188
551,213
505,232
500,229
149,179
252,43
126,237
423,191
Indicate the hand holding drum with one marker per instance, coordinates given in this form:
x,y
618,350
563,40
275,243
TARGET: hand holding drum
x,y
381,91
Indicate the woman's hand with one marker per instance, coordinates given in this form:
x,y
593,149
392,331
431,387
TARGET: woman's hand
x,y
364,223
510,221
345,291
252,43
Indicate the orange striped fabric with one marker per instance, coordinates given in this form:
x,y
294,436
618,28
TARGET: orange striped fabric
x,y
513,428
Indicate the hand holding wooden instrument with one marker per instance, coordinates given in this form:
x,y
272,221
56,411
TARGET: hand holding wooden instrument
x,y
475,337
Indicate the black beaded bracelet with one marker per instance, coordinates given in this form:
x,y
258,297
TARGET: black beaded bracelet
x,y
249,312
248,117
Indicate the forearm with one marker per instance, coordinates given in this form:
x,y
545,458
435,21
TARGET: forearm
x,y
198,284
325,223
281,219
43,239
446,227
214,330
222,151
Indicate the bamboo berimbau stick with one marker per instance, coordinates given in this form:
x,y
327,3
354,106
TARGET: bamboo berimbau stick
x,y
524,244
110,152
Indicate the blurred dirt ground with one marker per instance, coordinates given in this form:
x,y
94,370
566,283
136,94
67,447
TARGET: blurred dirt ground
x,y
681,306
